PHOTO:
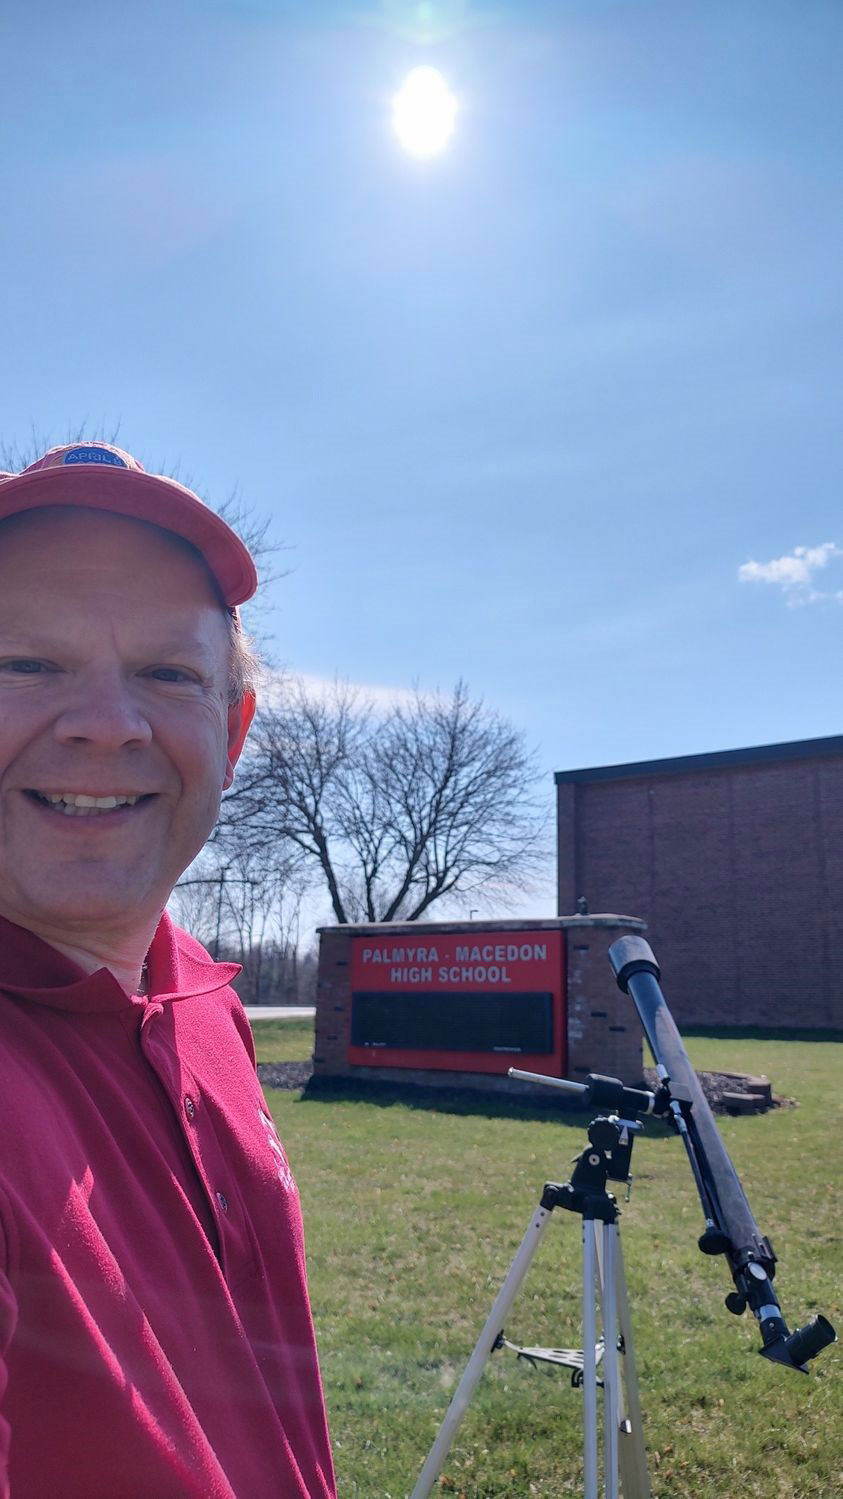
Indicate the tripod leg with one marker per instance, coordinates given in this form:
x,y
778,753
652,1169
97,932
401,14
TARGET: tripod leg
x,y
611,1365
590,1229
633,1456
483,1349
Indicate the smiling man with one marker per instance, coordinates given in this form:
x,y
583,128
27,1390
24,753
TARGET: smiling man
x,y
155,1332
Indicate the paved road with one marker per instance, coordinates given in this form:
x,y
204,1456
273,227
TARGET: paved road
x,y
280,1012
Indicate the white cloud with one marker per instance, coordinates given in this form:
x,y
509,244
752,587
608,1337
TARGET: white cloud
x,y
794,573
381,697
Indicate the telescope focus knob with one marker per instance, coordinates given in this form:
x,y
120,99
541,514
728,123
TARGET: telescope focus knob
x,y
713,1241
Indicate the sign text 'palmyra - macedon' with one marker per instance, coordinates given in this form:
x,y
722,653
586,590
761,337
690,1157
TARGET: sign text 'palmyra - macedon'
x,y
464,963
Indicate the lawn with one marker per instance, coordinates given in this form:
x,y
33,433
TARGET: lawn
x,y
413,1215
283,1040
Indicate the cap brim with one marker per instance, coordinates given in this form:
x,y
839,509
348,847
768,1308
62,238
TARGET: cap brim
x,y
140,496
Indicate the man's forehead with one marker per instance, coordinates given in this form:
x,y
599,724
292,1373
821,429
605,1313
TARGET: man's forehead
x,y
88,525
85,518
99,539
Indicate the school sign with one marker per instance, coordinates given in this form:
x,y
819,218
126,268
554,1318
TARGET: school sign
x,y
459,1003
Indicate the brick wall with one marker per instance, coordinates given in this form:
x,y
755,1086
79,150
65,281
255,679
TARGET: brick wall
x,y
333,1003
737,868
604,1033
603,1030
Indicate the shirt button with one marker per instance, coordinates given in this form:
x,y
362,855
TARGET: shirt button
x,y
189,1106
223,1202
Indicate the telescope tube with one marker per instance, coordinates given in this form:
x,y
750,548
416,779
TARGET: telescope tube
x,y
730,1226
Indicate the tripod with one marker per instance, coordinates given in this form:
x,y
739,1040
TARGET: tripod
x,y
607,1154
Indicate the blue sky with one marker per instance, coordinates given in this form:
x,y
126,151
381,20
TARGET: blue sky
x,y
521,412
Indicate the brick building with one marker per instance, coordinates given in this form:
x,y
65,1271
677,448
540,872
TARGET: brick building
x,y
735,862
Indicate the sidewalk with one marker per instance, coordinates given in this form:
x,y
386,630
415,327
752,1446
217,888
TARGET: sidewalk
x,y
280,1012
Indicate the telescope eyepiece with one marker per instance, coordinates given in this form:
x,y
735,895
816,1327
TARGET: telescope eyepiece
x,y
808,1341
796,1348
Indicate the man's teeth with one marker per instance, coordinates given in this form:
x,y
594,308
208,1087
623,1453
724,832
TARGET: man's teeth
x,y
77,804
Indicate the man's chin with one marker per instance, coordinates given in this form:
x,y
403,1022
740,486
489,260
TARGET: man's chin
x,y
114,899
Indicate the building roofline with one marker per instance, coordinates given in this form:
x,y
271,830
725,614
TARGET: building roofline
x,y
797,749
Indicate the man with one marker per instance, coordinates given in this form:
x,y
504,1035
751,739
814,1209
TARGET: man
x,y
155,1333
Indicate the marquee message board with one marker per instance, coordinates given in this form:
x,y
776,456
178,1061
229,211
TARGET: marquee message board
x,y
459,1002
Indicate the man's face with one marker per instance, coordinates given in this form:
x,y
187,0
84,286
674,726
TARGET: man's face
x,y
113,682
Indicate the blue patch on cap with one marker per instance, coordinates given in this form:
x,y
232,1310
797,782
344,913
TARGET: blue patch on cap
x,y
94,455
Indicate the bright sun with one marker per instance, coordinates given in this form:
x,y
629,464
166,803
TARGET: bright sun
x,y
423,112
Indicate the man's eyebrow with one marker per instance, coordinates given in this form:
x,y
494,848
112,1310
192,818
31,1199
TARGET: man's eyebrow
x,y
14,635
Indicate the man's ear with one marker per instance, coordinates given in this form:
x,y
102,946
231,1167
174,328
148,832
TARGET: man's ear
x,y
240,716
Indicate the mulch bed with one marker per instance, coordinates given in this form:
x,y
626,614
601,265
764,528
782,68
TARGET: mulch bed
x,y
294,1076
289,1075
717,1085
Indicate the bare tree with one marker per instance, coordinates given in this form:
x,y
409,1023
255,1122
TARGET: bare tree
x,y
395,812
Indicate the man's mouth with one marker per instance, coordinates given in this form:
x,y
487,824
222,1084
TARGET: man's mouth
x,y
80,804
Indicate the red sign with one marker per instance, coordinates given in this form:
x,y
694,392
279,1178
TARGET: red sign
x,y
506,989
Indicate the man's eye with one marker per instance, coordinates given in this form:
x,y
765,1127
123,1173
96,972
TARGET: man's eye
x,y
24,667
171,674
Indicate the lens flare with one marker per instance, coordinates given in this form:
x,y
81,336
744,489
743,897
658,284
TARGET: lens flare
x,y
423,113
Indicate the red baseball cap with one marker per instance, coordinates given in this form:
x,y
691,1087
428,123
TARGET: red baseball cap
x,y
101,477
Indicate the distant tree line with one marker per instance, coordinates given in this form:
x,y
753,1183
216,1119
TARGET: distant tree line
x,y
244,913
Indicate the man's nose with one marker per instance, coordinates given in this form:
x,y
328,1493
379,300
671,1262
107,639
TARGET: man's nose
x,y
100,709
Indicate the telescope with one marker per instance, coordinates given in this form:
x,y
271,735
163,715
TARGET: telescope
x,y
730,1228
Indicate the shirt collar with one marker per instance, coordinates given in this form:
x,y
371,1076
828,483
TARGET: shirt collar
x,y
178,969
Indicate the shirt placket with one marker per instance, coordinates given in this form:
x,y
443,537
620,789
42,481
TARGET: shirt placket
x,y
214,1171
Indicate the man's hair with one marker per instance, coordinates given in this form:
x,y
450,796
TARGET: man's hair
x,y
243,662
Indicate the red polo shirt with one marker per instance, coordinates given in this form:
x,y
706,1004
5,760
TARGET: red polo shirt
x,y
155,1331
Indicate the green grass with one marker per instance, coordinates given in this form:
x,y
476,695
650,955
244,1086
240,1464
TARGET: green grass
x,y
413,1215
283,1040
